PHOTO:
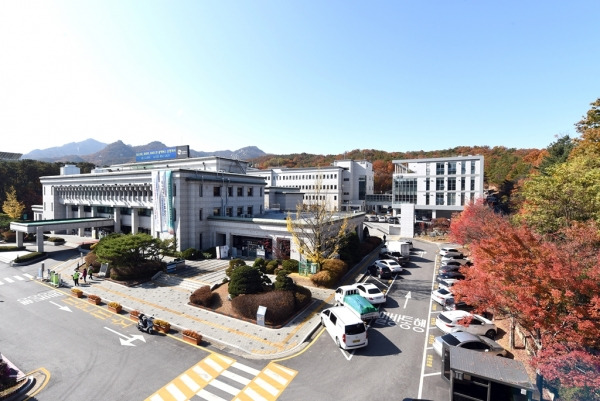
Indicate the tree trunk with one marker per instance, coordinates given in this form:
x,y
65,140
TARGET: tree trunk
x,y
511,334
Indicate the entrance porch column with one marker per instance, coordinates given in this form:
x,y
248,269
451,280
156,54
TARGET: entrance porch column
x,y
81,214
19,238
135,220
117,220
39,238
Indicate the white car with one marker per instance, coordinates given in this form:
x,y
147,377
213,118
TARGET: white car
x,y
390,264
381,219
346,329
468,341
447,283
458,258
441,295
371,293
448,249
460,320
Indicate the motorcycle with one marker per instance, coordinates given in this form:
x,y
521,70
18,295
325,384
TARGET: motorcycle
x,y
146,324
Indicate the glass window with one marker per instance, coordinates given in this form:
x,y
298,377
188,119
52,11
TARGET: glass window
x,y
230,191
240,191
439,184
200,217
452,184
439,168
473,167
250,191
216,191
240,211
200,191
216,211
451,168
250,211
451,198
439,198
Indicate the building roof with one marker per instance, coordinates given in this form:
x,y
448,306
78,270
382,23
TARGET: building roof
x,y
10,156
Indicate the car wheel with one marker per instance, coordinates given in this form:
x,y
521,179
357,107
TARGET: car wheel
x,y
337,341
491,334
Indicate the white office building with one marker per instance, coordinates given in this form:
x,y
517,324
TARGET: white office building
x,y
343,185
437,187
204,202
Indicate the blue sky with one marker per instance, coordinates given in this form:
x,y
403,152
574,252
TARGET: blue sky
x,y
319,77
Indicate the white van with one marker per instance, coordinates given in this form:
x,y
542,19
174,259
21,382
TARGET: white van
x,y
347,330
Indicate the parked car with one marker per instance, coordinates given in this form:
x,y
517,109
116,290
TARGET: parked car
x,y
381,219
447,283
371,293
460,320
468,341
447,275
451,304
457,258
441,295
390,264
449,268
392,220
447,249
380,271
451,263
347,330
372,217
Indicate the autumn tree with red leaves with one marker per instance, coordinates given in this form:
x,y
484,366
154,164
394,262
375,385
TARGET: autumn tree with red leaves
x,y
549,288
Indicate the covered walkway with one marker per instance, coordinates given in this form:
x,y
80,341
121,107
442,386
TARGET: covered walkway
x,y
38,227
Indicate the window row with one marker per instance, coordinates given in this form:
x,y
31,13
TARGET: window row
x,y
305,177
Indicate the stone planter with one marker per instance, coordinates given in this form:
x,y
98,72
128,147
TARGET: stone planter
x,y
116,309
77,294
93,299
162,329
192,340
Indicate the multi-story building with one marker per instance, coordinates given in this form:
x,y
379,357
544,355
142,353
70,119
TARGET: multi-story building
x,y
343,186
437,187
203,202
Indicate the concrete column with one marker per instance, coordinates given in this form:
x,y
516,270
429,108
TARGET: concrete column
x,y
135,220
80,212
19,238
39,239
117,219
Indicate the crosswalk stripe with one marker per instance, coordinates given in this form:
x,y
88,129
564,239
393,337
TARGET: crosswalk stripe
x,y
205,395
267,386
215,365
9,280
189,382
181,384
19,278
29,276
275,376
203,374
256,392
250,394
156,397
224,386
245,368
176,393
236,377
1,283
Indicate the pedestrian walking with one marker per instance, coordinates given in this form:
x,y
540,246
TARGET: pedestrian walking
x,y
84,274
90,273
76,278
384,238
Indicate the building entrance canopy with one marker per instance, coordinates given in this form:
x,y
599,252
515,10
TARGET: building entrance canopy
x,y
40,226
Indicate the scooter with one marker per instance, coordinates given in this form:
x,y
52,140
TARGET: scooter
x,y
146,324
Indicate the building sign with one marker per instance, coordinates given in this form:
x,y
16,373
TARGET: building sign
x,y
177,152
162,202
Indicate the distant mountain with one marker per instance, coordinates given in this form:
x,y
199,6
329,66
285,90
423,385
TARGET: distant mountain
x,y
102,154
74,148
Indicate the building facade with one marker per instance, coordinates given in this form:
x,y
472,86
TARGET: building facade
x,y
438,187
343,186
203,202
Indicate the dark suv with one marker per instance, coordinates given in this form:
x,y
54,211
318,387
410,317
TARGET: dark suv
x,y
380,271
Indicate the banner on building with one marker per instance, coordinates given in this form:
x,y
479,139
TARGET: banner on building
x,y
162,202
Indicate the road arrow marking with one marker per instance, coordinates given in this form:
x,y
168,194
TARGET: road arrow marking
x,y
407,296
128,340
65,308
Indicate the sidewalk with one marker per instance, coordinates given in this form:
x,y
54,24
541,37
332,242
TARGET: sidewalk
x,y
170,302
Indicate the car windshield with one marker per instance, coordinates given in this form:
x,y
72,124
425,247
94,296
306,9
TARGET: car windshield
x,y
373,291
444,318
444,291
393,263
450,339
353,329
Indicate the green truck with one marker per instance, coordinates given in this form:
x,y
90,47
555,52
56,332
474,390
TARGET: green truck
x,y
348,296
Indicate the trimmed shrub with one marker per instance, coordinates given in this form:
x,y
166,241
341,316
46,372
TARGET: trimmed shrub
x,y
210,253
290,265
283,282
233,264
260,264
11,248
302,296
280,306
245,280
324,278
337,267
191,254
29,256
92,260
203,296
271,266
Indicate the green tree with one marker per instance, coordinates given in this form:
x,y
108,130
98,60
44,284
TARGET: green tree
x,y
245,280
591,119
317,232
128,250
558,152
11,206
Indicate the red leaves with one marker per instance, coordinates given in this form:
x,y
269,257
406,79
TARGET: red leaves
x,y
550,287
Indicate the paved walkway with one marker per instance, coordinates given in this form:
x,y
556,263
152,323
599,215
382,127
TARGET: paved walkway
x,y
167,299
